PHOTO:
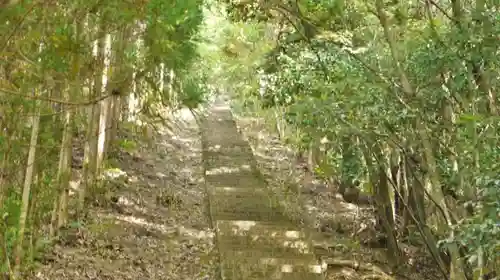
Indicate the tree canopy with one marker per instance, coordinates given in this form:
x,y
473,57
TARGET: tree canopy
x,y
390,99
390,84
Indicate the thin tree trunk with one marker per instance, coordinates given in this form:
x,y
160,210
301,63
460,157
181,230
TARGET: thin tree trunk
x,y
27,190
104,105
3,170
64,171
90,153
121,86
379,180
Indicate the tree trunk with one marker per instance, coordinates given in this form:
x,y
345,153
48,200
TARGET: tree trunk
x,y
64,171
4,187
120,87
379,180
27,189
105,104
90,154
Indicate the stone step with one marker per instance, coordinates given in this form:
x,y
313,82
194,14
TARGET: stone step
x,y
228,169
277,243
237,192
241,179
217,134
217,159
291,276
250,196
224,141
278,275
252,212
255,239
218,150
255,256
284,231
272,274
240,203
248,265
240,206
241,227
268,246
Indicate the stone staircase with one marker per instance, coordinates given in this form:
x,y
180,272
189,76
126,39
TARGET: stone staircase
x,y
255,239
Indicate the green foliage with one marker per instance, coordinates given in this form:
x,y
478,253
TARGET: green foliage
x,y
193,93
49,51
481,232
127,145
329,72
170,28
11,209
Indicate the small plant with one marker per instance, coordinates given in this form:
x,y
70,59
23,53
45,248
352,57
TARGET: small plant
x,y
127,145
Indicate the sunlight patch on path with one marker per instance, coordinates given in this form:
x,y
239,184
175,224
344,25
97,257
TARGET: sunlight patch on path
x,y
142,222
184,114
266,157
289,268
232,189
242,227
223,107
183,140
126,202
113,173
224,169
234,149
215,148
197,234
258,232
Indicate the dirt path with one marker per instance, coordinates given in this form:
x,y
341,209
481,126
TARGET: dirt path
x,y
149,220
255,238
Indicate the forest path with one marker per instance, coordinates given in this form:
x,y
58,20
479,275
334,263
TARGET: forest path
x,y
148,220
254,236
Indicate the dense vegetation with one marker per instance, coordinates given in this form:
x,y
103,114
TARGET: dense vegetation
x,y
393,102
71,74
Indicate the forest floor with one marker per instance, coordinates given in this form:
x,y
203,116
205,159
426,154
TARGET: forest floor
x,y
151,220
344,234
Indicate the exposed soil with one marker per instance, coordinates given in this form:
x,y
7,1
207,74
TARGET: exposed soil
x,y
148,221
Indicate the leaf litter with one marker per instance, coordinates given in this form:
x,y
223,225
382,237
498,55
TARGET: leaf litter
x,y
341,231
152,223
